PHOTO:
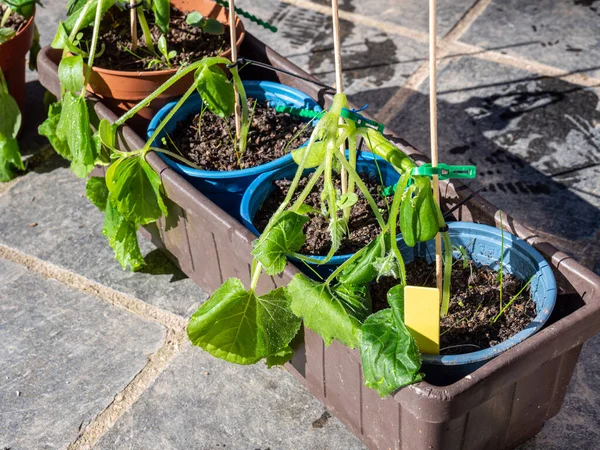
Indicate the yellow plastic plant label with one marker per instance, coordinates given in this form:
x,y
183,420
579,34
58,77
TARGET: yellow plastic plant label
x,y
422,317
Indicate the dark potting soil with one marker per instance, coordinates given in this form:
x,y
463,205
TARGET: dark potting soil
x,y
190,43
15,21
363,226
208,144
474,303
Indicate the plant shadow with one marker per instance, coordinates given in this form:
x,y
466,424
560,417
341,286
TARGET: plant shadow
x,y
157,263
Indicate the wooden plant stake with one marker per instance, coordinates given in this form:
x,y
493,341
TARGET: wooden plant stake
x,y
133,23
234,57
433,132
337,52
421,304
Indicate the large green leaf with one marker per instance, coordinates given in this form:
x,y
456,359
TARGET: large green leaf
x,y
238,326
315,157
323,311
88,18
10,114
162,14
49,129
74,129
10,158
122,237
390,357
285,237
216,91
136,189
70,73
97,192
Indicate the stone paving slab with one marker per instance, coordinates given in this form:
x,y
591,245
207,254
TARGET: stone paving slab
x,y
561,33
371,57
48,216
202,402
64,357
535,142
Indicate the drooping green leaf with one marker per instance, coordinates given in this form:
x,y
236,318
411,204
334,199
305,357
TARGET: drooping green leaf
x,y
10,114
390,357
70,73
49,129
323,312
337,231
22,7
107,133
418,215
315,157
136,189
395,298
363,271
387,266
356,299
97,192
6,34
280,358
162,14
285,237
10,158
74,129
122,237
304,209
238,326
216,91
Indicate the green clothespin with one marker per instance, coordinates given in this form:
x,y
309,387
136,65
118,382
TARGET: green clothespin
x,y
249,16
300,112
446,171
361,121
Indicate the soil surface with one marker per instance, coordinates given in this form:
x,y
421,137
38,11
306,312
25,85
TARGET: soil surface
x,y
190,43
208,144
363,226
474,303
15,21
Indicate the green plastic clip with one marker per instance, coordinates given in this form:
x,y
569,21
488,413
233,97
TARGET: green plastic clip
x,y
300,112
361,121
446,171
249,16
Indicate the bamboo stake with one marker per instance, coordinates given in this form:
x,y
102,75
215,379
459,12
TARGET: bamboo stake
x,y
234,57
433,131
133,22
337,52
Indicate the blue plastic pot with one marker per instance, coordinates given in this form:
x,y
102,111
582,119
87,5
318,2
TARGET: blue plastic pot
x,y
261,189
483,244
227,188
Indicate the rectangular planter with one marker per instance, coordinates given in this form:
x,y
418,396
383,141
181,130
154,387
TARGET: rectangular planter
x,y
498,406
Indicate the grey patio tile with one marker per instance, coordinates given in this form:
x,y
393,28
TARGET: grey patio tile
x,y
370,57
561,33
576,425
202,402
48,216
528,136
64,357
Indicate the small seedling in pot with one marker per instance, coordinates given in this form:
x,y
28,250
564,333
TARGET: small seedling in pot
x,y
167,55
206,24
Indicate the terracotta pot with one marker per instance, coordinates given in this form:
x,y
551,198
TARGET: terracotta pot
x,y
12,61
121,90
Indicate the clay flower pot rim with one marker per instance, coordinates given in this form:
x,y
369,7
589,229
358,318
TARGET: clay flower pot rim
x,y
22,30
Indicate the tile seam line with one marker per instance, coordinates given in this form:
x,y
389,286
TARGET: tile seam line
x,y
82,284
456,46
125,399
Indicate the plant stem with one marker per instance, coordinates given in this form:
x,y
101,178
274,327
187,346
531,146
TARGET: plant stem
x,y
145,30
176,156
511,301
95,34
501,270
255,276
241,132
392,221
314,177
180,74
168,117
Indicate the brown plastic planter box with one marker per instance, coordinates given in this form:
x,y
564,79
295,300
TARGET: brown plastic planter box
x,y
498,406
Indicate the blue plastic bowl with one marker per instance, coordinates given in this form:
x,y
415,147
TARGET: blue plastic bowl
x,y
261,188
227,188
483,244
